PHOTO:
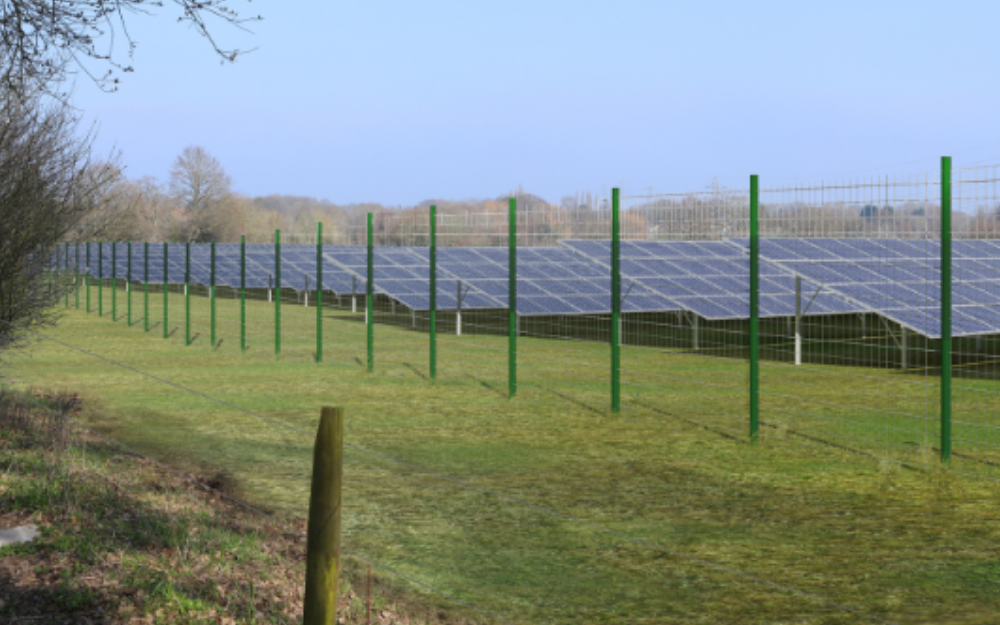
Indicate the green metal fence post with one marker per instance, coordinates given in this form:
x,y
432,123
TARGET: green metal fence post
x,y
187,293
319,291
754,311
370,297
243,293
433,292
114,281
512,299
128,283
211,294
166,277
946,309
145,286
100,278
277,293
65,272
86,277
616,303
76,280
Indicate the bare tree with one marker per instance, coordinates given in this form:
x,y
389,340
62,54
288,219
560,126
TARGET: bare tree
x,y
197,179
200,185
41,41
154,208
48,187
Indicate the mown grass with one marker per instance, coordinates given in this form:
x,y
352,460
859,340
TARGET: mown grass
x,y
604,502
125,541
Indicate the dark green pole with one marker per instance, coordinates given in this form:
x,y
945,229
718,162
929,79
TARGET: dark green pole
x,y
433,277
65,272
512,300
211,294
100,278
145,286
77,275
370,297
166,276
277,292
323,533
128,282
616,303
187,293
946,309
114,281
243,293
319,291
86,279
754,311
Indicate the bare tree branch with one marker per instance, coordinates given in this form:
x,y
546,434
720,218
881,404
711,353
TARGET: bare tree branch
x,y
41,41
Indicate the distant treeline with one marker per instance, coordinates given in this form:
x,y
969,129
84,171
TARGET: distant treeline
x,y
198,204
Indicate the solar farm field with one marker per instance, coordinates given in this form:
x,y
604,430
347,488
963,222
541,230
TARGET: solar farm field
x,y
774,407
548,507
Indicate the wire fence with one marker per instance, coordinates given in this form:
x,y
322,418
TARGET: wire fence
x,y
846,317
643,307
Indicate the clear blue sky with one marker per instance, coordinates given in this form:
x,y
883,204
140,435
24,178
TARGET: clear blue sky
x,y
396,102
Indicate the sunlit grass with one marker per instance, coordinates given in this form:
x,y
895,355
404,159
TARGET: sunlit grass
x,y
907,545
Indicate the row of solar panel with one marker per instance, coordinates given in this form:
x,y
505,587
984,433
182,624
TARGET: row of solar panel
x,y
821,250
549,279
901,279
707,278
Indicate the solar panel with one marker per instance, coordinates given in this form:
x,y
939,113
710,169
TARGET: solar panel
x,y
901,279
708,278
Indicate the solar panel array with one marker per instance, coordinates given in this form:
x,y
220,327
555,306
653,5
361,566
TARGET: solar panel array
x,y
711,279
550,280
901,279
403,274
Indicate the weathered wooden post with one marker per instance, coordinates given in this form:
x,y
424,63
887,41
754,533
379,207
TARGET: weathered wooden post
x,y
323,543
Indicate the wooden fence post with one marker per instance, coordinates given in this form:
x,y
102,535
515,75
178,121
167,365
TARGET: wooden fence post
x,y
323,544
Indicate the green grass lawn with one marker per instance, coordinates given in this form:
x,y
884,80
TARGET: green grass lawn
x,y
585,511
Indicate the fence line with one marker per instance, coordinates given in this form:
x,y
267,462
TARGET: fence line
x,y
892,209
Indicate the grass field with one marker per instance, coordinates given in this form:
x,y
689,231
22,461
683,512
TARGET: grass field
x,y
585,511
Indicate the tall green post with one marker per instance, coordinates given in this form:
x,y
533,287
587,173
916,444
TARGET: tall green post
x,y
128,283
145,286
77,279
319,291
114,281
277,293
754,311
166,277
512,299
370,297
86,278
433,291
616,303
65,272
100,278
187,293
211,294
945,309
243,293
